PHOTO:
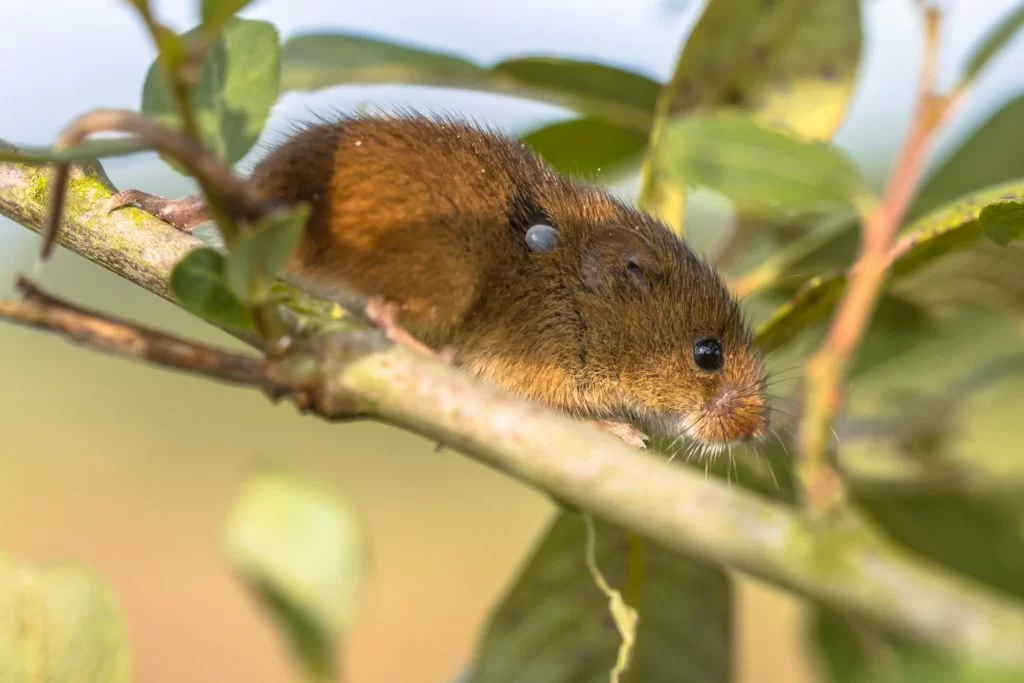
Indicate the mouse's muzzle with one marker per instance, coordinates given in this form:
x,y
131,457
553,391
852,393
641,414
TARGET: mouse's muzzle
x,y
730,417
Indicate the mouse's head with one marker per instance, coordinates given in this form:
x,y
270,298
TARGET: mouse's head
x,y
663,330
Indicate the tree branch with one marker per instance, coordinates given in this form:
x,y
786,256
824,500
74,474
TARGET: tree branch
x,y
359,373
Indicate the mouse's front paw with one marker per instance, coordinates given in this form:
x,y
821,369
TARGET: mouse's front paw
x,y
383,314
625,431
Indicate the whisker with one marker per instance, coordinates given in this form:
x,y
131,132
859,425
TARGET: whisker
x,y
782,443
771,471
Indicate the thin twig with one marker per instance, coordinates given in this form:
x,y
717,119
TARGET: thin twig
x,y
127,340
827,369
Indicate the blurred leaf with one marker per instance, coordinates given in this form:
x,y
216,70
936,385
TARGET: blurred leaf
x,y
261,254
59,623
86,151
237,84
215,14
198,282
169,46
850,651
600,89
791,64
321,60
300,550
981,538
953,228
826,244
898,325
990,155
763,171
841,648
554,625
1003,222
813,302
586,147
936,669
994,41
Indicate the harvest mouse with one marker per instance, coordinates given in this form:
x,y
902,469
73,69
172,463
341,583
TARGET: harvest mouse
x,y
547,287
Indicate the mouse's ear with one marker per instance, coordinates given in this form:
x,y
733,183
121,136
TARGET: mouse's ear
x,y
613,252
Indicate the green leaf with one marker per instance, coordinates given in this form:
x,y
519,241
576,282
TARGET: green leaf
x,y
1003,222
849,650
198,282
237,84
86,151
813,302
321,60
839,651
261,254
586,147
951,229
994,41
977,537
599,90
300,550
763,171
988,156
554,625
215,14
59,623
936,669
791,64
899,325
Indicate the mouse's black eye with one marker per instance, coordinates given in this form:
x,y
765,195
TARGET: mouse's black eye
x,y
541,237
707,354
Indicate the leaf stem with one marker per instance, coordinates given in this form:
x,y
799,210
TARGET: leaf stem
x,y
821,485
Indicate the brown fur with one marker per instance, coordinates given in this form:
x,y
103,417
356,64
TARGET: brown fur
x,y
431,214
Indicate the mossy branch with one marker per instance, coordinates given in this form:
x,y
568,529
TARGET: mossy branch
x,y
845,564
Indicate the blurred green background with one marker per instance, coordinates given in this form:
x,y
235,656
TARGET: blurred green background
x,y
132,469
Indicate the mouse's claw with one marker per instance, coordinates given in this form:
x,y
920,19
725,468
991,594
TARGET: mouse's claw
x,y
384,315
625,431
183,214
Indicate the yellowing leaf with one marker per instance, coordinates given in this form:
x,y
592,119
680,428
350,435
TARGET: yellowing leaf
x,y
300,550
791,64
59,623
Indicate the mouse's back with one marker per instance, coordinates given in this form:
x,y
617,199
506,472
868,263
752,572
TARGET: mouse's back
x,y
408,208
